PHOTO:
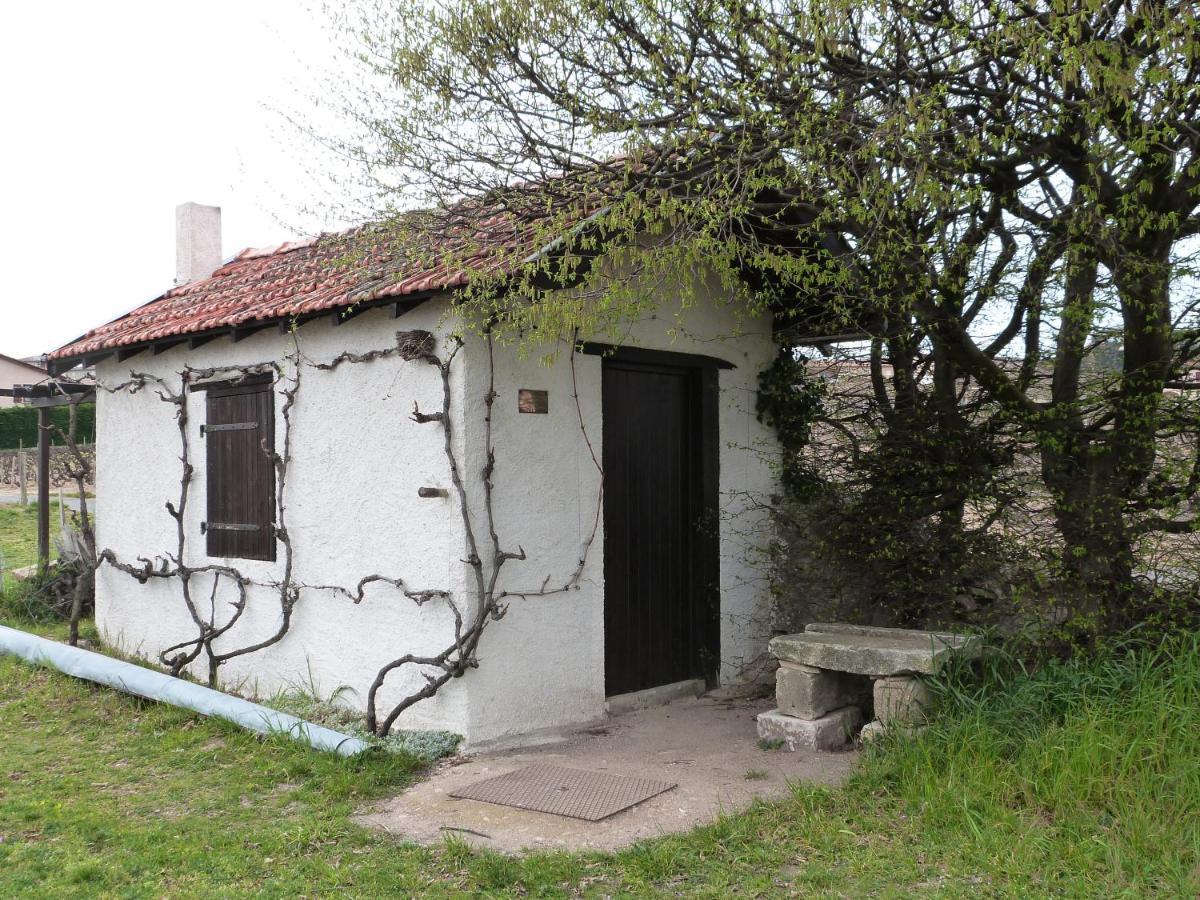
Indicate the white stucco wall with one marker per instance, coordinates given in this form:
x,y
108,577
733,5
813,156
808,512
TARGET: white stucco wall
x,y
543,664
353,509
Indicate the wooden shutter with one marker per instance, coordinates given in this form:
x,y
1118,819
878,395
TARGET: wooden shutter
x,y
241,475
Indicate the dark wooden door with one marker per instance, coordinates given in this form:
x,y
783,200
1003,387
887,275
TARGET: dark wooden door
x,y
657,604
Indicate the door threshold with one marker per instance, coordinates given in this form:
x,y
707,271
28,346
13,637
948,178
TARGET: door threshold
x,y
619,704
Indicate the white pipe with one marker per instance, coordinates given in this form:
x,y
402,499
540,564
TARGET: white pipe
x,y
174,691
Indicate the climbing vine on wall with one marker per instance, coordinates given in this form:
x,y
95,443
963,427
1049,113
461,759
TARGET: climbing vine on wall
x,y
790,402
487,552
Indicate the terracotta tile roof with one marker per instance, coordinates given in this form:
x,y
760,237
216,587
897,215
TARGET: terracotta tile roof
x,y
330,272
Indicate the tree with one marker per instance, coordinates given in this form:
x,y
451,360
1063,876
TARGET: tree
x,y
989,192
1078,122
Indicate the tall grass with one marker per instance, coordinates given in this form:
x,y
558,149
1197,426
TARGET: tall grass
x,y
25,603
1105,750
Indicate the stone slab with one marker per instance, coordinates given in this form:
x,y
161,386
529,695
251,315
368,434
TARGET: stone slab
x,y
904,700
25,573
809,693
948,638
874,652
871,732
830,732
874,730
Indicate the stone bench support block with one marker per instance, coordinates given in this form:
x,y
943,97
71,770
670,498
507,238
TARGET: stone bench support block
x,y
830,732
903,700
809,693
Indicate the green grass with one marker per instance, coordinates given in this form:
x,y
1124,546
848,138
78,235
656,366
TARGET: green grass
x,y
21,601
1080,780
18,535
1093,762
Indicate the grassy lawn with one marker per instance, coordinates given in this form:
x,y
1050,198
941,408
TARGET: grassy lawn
x,y
18,548
18,535
1082,779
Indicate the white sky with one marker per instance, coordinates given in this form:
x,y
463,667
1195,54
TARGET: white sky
x,y
113,113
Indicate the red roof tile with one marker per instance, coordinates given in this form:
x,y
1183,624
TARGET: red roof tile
x,y
329,272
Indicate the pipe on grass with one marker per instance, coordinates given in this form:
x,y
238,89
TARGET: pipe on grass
x,y
164,688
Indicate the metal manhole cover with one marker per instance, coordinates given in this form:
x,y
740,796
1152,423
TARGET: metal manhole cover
x,y
591,796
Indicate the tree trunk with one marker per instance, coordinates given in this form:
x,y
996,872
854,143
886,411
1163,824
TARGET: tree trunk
x,y
1089,510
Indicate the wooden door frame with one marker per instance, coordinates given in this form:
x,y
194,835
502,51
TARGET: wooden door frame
x,y
706,561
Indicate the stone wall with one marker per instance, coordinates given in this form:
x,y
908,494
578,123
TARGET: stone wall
x,y
60,458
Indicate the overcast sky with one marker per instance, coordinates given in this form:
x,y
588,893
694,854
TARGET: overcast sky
x,y
114,113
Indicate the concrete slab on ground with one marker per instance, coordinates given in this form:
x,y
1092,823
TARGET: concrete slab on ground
x,y
706,747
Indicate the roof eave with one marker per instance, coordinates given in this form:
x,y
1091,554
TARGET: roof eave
x,y
238,332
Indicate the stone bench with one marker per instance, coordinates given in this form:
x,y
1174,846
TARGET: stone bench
x,y
831,673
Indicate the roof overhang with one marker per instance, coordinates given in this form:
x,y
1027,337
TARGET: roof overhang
x,y
239,332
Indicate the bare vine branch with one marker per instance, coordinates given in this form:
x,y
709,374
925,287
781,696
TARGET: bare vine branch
x,y
487,602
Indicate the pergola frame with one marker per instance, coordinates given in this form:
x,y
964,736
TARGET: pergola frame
x,y
43,397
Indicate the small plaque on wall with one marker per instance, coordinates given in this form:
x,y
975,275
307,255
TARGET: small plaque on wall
x,y
529,401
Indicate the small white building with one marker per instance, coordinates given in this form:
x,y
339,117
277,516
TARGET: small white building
x,y
647,576
15,372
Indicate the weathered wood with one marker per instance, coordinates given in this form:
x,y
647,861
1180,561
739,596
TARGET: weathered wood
x,y
660,622
240,441
43,487
22,478
241,332
628,354
345,315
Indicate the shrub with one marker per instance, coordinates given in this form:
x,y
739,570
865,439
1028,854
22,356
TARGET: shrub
x,y
18,424
46,598
304,703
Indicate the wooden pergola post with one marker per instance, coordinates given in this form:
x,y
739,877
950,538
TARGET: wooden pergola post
x,y
43,397
43,488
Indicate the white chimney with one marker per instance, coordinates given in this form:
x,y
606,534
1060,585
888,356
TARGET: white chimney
x,y
197,241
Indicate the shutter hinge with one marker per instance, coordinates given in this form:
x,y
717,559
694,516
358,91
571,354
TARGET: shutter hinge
x,y
230,426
